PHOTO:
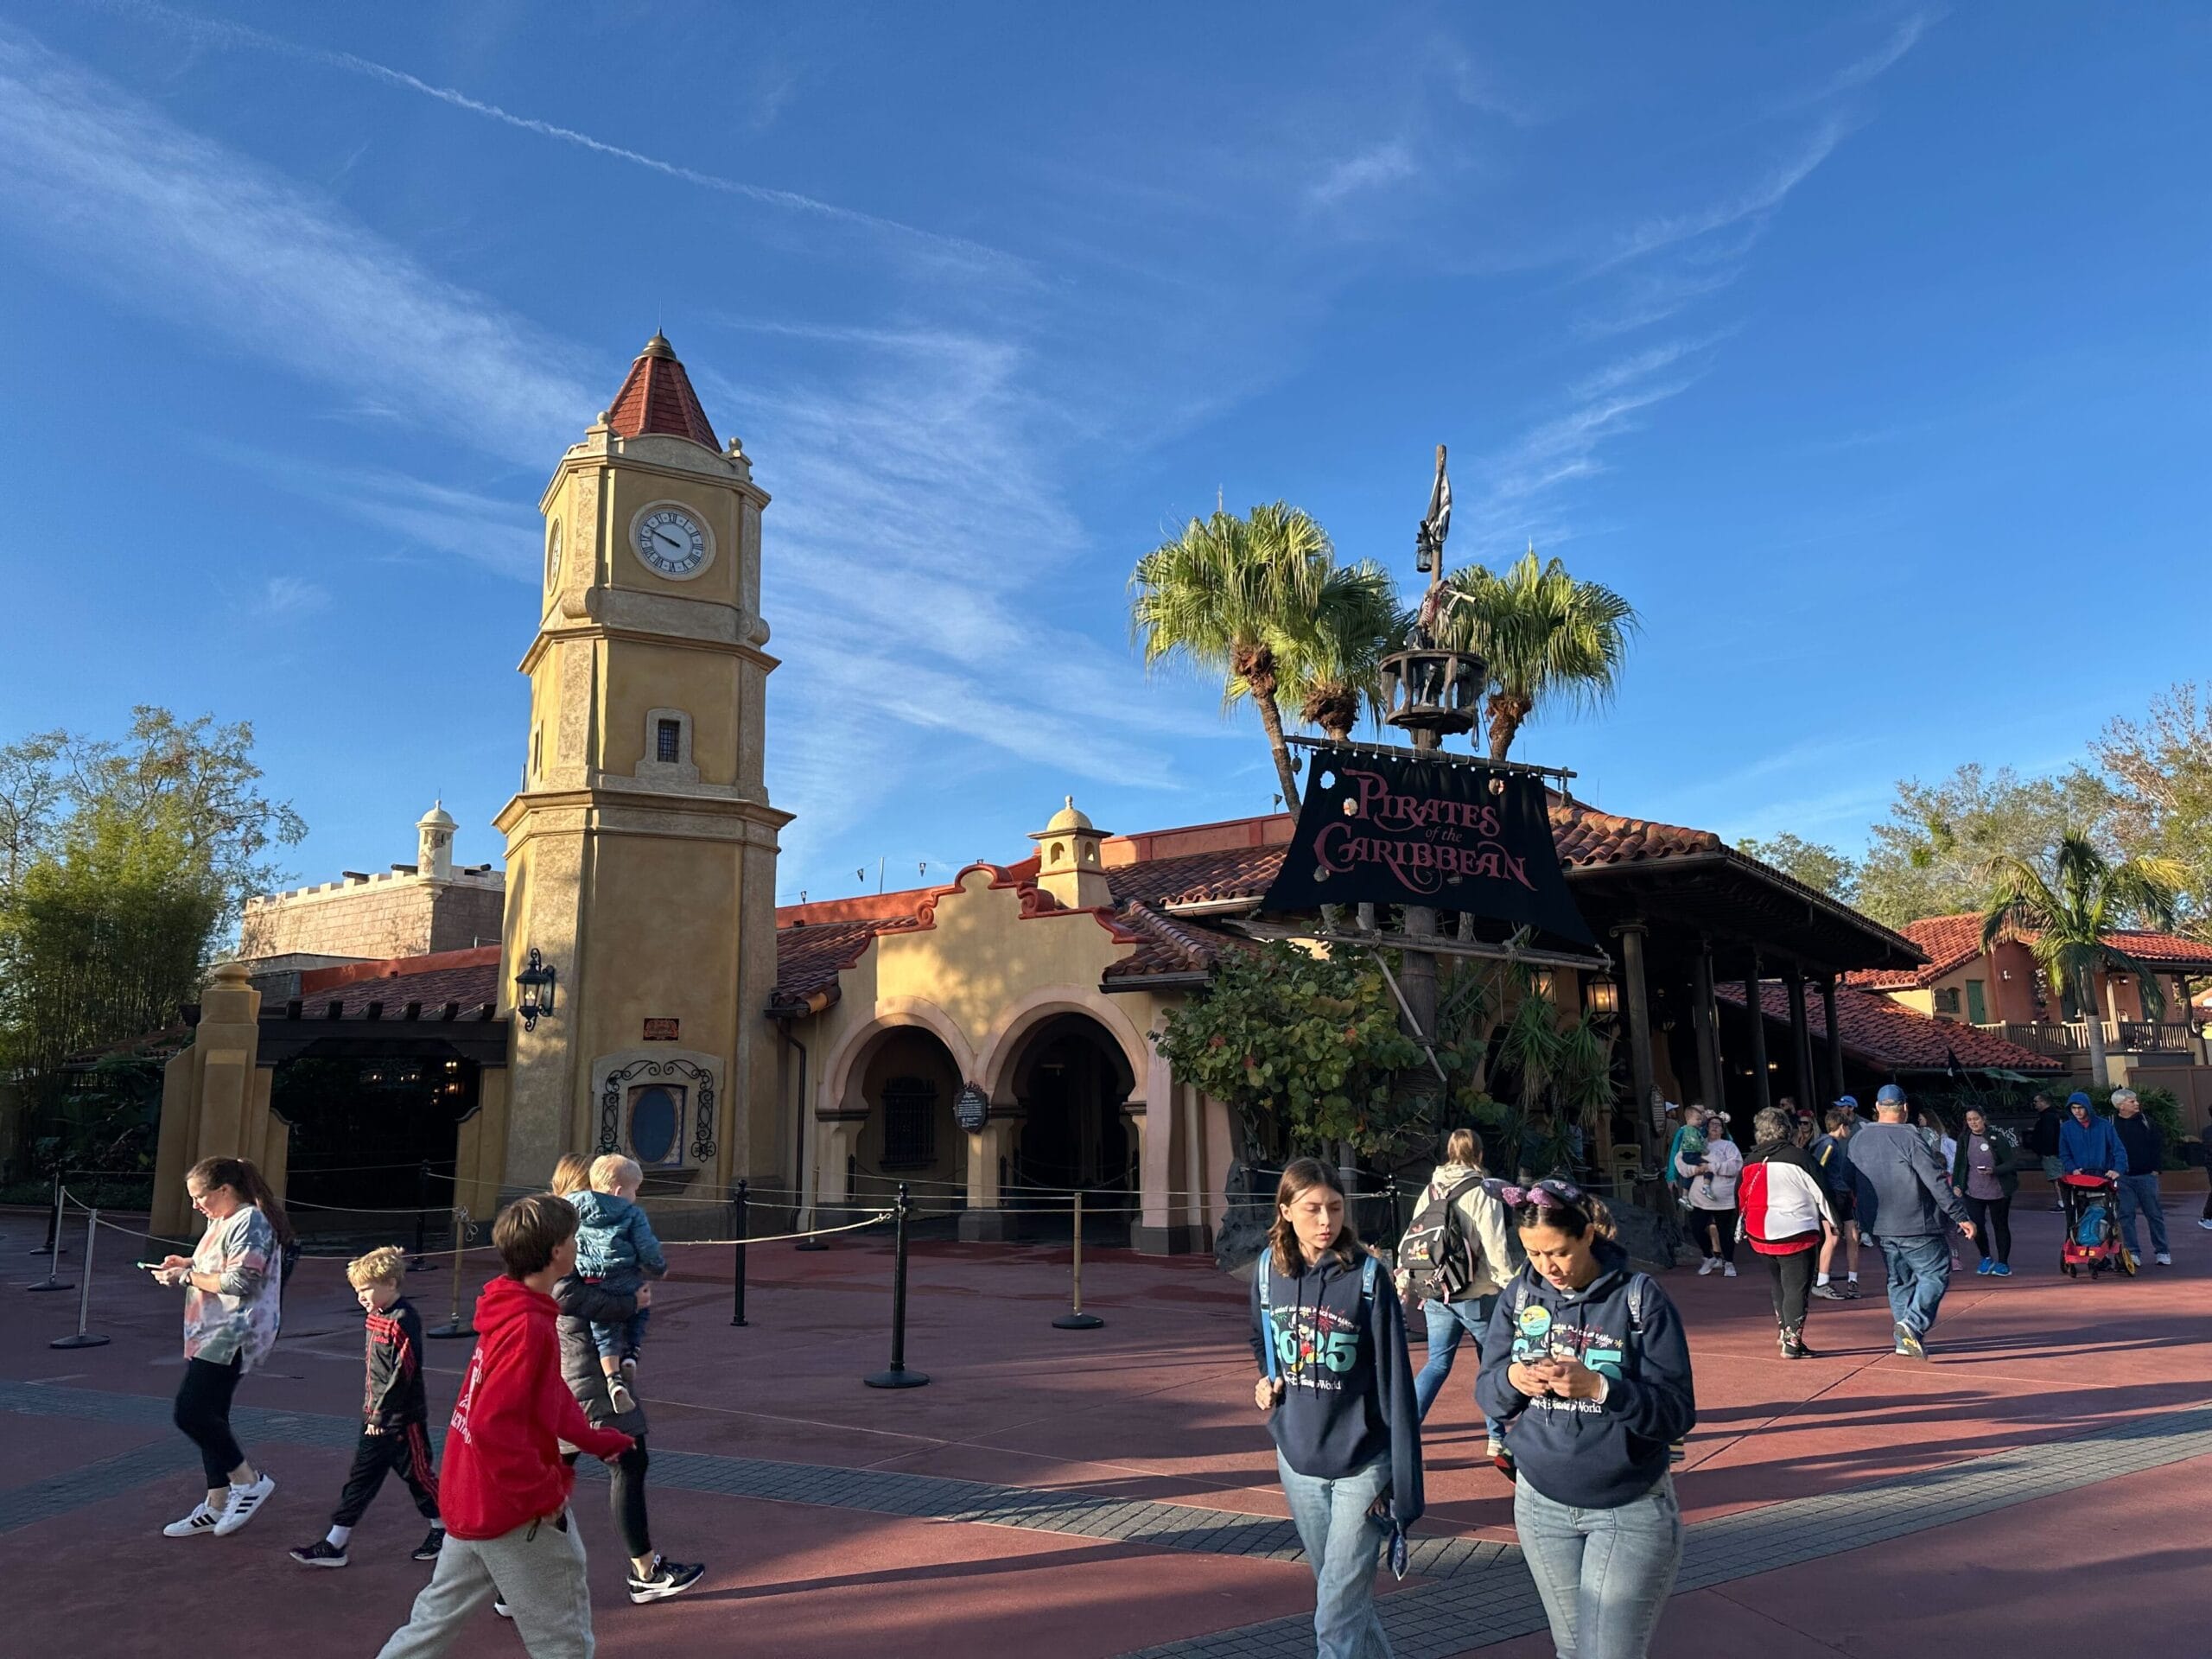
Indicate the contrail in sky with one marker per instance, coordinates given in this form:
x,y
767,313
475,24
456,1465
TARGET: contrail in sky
x,y
219,32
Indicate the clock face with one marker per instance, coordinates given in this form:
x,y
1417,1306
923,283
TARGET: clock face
x,y
670,541
553,556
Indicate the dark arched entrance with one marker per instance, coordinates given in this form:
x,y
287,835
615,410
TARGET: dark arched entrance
x,y
372,1134
1070,1081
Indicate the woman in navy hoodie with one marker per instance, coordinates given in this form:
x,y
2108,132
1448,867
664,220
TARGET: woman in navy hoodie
x,y
1330,1339
1587,1365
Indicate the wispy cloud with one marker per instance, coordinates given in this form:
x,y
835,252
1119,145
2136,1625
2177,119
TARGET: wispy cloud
x,y
1371,170
1884,58
179,226
1754,200
218,33
283,598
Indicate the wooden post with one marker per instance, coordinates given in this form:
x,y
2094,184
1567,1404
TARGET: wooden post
x,y
1801,1035
1630,935
1835,1044
1755,1006
1705,1026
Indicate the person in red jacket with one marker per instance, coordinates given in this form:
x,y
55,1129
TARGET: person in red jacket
x,y
506,1490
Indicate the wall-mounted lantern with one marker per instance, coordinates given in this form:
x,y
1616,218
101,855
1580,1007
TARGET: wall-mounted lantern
x,y
1603,995
534,990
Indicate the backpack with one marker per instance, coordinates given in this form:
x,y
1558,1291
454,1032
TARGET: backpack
x,y
1436,1253
1276,1359
1640,1291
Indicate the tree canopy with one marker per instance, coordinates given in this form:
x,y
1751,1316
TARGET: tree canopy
x,y
1816,864
2158,775
121,863
1930,855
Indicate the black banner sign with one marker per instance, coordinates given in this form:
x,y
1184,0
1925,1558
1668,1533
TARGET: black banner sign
x,y
1382,831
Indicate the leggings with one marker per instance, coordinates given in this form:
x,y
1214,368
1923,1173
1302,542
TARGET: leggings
x,y
1992,1227
626,1499
1793,1286
1725,1220
203,1412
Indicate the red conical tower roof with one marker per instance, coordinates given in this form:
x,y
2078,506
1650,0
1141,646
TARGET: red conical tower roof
x,y
658,397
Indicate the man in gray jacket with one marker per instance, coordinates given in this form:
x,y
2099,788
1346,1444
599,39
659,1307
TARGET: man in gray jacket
x,y
1904,1199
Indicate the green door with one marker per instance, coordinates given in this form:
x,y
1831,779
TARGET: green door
x,y
1977,1004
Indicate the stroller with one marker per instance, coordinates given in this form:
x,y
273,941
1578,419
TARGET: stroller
x,y
2092,1240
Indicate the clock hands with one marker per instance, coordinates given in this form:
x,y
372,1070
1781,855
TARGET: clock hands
x,y
663,535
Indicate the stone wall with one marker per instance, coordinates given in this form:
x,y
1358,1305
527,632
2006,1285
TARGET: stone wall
x,y
399,914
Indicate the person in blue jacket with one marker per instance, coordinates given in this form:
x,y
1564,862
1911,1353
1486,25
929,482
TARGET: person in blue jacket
x,y
2088,1144
1588,1366
1330,1337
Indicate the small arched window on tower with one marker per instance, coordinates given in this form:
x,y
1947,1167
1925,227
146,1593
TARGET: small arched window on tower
x,y
909,1124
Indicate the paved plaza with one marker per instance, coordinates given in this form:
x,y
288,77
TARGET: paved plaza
x,y
2037,1488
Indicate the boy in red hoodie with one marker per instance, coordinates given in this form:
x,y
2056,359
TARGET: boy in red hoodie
x,y
505,1491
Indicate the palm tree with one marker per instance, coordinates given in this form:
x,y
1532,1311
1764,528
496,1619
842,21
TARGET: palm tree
x,y
2067,914
1261,601
1356,621
1545,636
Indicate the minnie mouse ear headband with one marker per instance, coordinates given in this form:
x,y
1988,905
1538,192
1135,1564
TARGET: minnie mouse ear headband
x,y
1549,1194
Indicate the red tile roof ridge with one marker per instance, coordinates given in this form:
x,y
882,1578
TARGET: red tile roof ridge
x,y
1900,1038
314,980
1951,941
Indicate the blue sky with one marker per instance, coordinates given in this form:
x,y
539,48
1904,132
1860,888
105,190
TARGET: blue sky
x,y
1865,349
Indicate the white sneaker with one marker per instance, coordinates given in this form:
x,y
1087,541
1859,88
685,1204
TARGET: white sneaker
x,y
1707,1265
202,1520
2206,1224
243,1502
1728,1272
503,1610
619,1397
2163,1259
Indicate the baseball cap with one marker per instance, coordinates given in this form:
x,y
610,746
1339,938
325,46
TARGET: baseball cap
x,y
1850,1102
1889,1095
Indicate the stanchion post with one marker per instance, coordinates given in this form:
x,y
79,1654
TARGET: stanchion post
x,y
53,1245
84,1293
456,1326
898,1377
810,1199
54,1280
1075,1318
738,1206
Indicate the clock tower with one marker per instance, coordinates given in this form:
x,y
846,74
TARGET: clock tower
x,y
641,849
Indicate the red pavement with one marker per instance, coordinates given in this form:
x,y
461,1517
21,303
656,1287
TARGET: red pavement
x,y
1157,1405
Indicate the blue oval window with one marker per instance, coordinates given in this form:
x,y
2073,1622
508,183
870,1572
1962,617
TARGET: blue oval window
x,y
653,1123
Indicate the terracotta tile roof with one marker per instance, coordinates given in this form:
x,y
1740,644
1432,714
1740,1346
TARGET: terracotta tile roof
x,y
1585,836
658,397
1951,942
1888,1036
1169,944
809,956
1196,878
473,983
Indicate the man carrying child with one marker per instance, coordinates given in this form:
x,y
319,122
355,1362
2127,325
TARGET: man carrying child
x,y
615,1249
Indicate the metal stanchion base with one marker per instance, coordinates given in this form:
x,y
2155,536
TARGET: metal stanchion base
x,y
1077,1322
452,1328
901,1378
50,1284
78,1341
735,1324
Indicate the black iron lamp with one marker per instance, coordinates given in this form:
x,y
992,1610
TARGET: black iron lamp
x,y
534,989
1602,996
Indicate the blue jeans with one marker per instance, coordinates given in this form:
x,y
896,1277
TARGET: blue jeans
x,y
1343,1543
1920,1272
1605,1575
619,1338
1448,1323
2141,1192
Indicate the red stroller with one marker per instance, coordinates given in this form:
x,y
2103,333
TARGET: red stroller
x,y
2092,1238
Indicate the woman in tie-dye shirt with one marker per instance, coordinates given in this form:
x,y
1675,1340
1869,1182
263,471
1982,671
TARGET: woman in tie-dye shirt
x,y
233,1286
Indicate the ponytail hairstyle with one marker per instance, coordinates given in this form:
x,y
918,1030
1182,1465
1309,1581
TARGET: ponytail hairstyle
x,y
1299,1177
1464,1147
240,1175
1562,1204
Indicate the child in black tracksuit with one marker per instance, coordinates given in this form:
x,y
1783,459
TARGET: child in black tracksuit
x,y
394,1436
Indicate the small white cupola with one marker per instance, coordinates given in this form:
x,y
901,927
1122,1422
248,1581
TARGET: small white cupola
x,y
434,842
1069,866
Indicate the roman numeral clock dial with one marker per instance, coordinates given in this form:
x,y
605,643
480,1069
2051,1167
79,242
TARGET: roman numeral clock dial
x,y
670,541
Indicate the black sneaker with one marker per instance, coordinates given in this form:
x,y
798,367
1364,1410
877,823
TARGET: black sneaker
x,y
667,1579
321,1553
428,1549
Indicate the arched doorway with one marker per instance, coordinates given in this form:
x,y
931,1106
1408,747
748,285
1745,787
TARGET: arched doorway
x,y
1069,1080
372,1133
906,1083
